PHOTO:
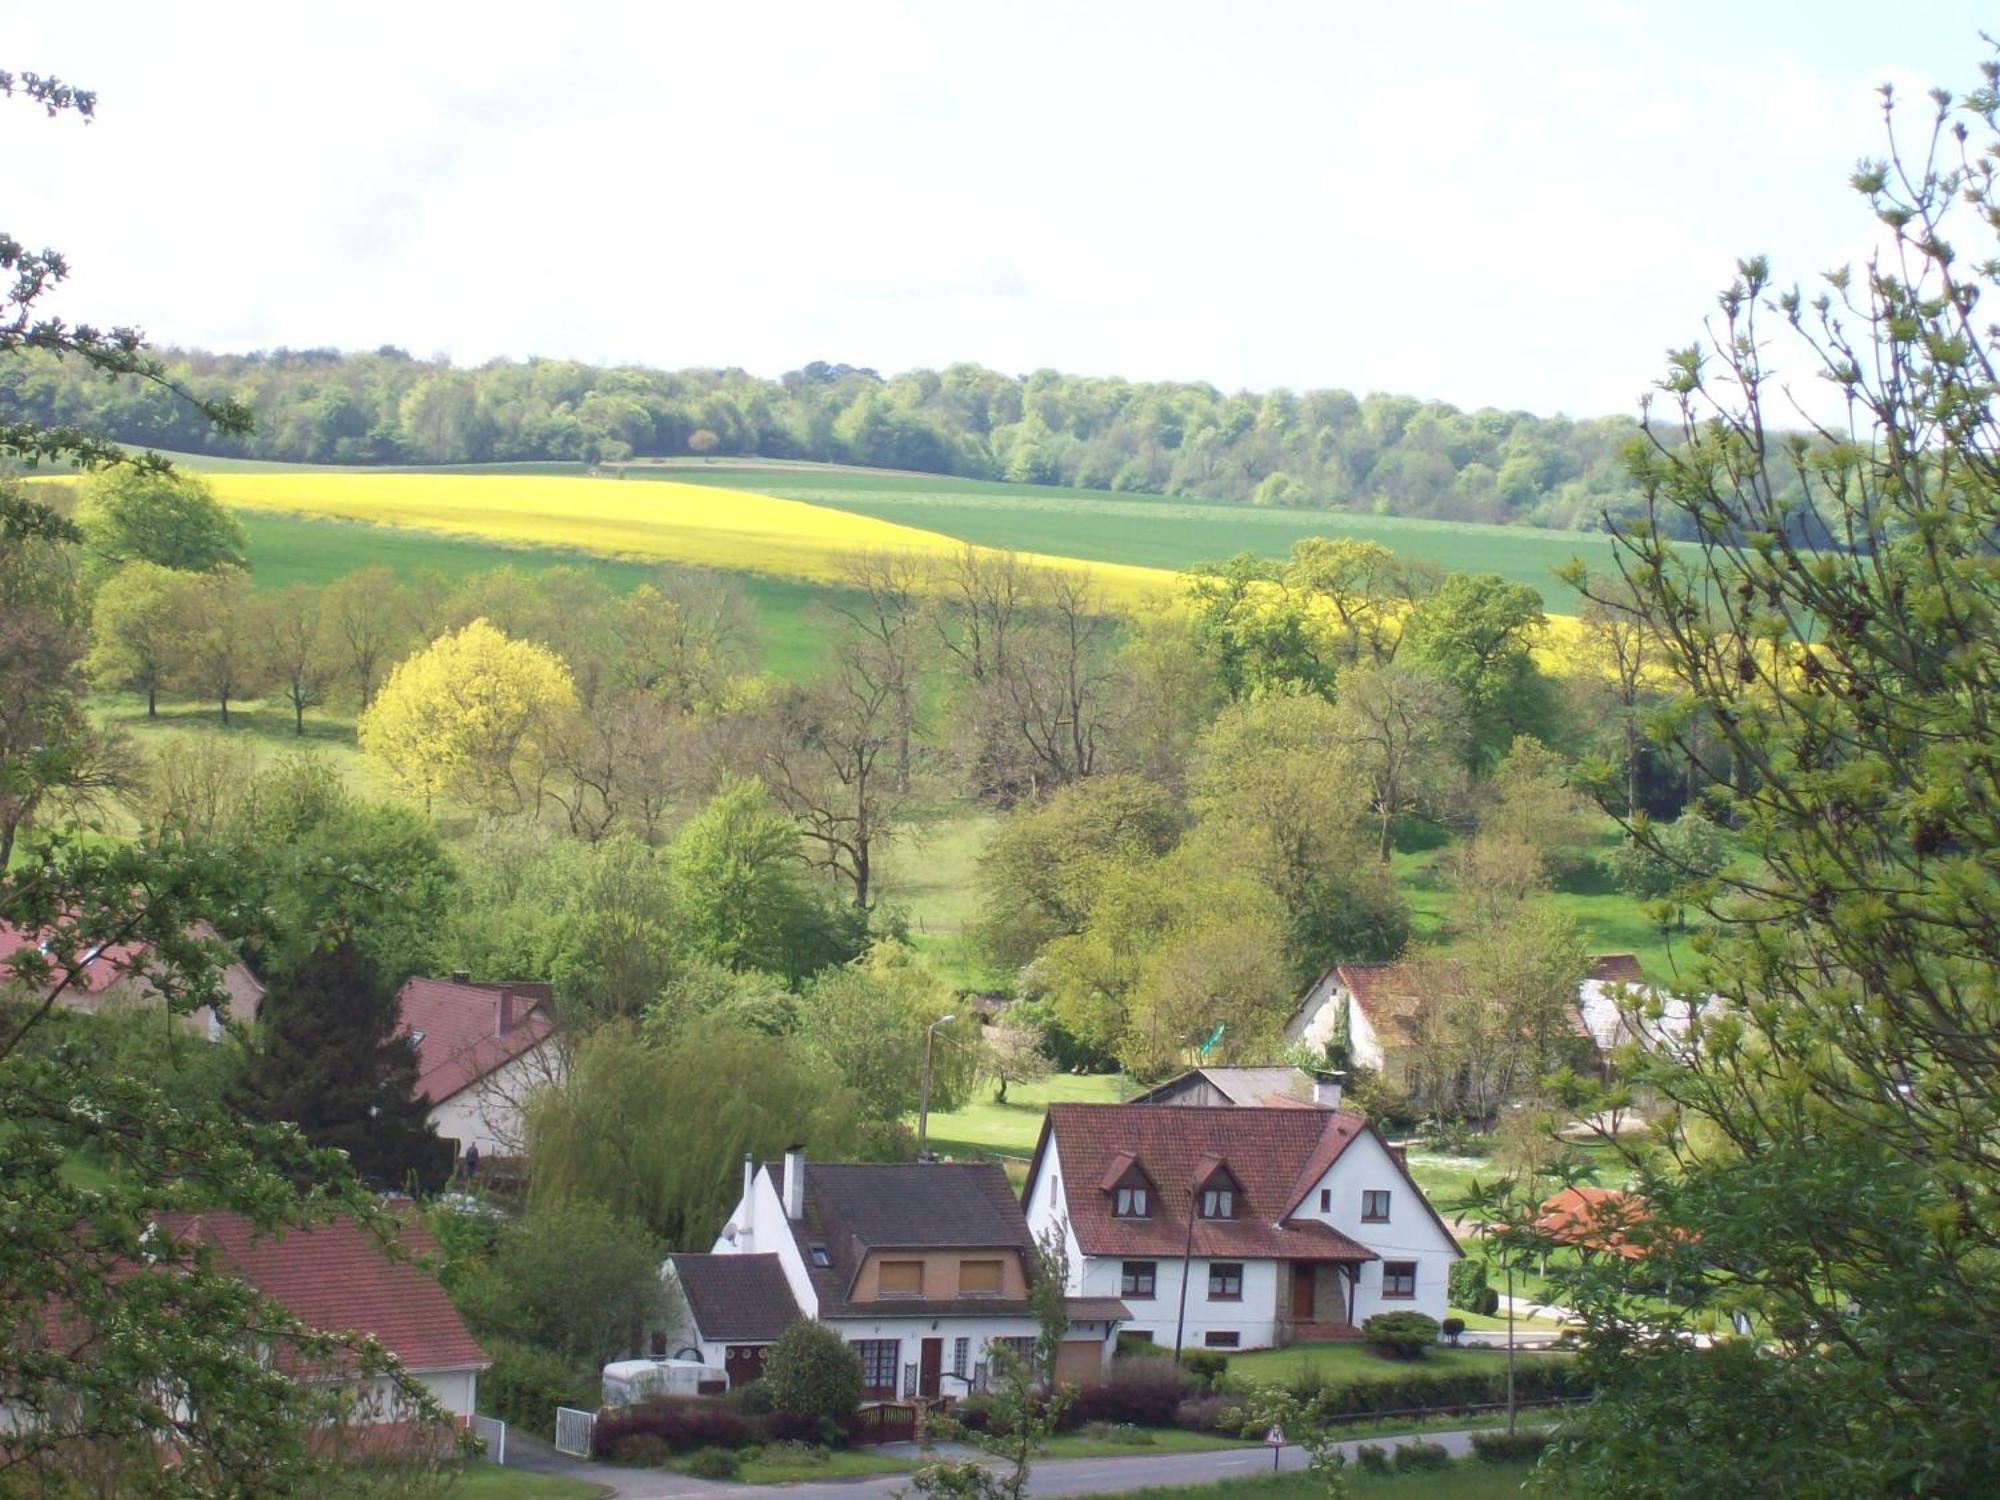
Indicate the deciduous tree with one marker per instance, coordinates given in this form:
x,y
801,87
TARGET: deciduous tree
x,y
173,519
135,629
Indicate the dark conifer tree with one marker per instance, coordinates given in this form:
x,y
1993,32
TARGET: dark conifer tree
x,y
331,1063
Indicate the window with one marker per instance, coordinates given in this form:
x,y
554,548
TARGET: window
x,y
979,1278
1137,1277
1326,1200
820,1257
1022,1349
1399,1278
878,1365
1218,1203
1130,1203
961,1355
902,1278
1221,1339
1225,1281
1375,1206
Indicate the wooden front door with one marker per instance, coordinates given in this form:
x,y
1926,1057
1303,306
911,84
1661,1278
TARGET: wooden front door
x,y
1302,1291
742,1363
930,1368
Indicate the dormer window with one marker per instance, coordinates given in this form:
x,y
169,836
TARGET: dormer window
x,y
1218,1193
1130,1189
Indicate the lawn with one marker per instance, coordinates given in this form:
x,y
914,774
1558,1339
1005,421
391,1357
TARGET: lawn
x,y
1347,1362
838,1463
1147,529
1470,1480
488,1481
1158,1440
985,1130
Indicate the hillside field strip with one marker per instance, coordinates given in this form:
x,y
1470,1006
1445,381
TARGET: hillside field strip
x,y
697,525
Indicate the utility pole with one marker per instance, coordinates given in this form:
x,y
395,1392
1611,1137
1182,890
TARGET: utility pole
x,y
924,1102
1507,1265
1187,1255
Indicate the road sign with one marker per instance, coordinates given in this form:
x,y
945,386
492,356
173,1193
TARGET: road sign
x,y
1276,1436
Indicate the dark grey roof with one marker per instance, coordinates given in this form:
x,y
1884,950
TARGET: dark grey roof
x,y
1247,1086
739,1298
1096,1310
853,1208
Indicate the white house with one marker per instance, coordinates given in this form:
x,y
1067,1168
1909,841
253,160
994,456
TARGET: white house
x,y
1292,1222
107,978
1208,1087
922,1267
482,1048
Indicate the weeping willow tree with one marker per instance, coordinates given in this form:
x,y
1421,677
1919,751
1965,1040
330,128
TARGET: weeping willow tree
x,y
1827,1173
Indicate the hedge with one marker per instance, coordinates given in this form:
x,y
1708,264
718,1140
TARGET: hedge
x,y
682,1423
524,1386
1146,1391
1423,1389
1523,1447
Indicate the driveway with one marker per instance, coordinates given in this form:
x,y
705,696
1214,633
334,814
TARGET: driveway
x,y
1066,1476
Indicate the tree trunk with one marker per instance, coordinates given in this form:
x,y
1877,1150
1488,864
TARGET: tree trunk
x,y
152,700
298,717
225,710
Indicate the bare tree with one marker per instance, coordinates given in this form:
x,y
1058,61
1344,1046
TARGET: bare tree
x,y
620,764
1404,730
364,619
226,653
885,611
828,758
681,637
299,657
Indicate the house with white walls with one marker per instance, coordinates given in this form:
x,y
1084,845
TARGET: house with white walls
x,y
482,1049
922,1267
1246,1227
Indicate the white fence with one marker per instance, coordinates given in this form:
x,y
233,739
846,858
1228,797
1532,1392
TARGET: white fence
x,y
493,1433
573,1431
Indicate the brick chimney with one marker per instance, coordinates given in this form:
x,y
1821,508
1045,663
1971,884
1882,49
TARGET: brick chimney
x,y
505,1007
461,976
795,1183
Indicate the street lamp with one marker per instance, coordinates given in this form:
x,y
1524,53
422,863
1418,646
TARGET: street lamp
x,y
924,1103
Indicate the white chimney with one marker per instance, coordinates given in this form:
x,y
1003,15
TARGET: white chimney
x,y
746,1213
795,1183
1327,1089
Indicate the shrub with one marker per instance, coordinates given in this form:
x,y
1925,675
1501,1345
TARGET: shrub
x,y
1400,1335
1146,1391
1139,1346
1204,1413
1466,1285
1421,1455
682,1423
715,1463
803,1427
1371,1459
1453,1327
1206,1365
753,1398
812,1372
642,1450
973,1413
524,1386
1498,1448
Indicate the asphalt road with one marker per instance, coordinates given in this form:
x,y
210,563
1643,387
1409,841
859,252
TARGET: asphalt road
x,y
1066,1476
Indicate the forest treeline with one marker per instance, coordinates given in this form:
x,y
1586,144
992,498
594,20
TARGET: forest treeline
x,y
1330,449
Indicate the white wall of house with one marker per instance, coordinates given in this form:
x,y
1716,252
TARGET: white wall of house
x,y
488,1115
456,1390
1045,1206
1410,1233
1253,1318
1316,1021
910,1332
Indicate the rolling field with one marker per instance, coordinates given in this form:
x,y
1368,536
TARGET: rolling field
x,y
665,521
1151,530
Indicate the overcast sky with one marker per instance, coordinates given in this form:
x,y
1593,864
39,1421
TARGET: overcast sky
x,y
1509,204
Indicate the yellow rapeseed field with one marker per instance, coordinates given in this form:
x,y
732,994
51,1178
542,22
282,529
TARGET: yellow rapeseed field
x,y
684,523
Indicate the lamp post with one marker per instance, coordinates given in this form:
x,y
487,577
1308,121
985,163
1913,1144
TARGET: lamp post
x,y
1187,1259
924,1102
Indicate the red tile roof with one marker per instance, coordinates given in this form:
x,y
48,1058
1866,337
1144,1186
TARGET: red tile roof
x,y
1593,1218
109,965
337,1278
1269,1151
457,1024
1617,968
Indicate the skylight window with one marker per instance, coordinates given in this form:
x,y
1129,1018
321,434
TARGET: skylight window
x,y
820,1258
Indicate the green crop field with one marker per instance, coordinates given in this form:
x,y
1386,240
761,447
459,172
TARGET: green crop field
x,y
1147,529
